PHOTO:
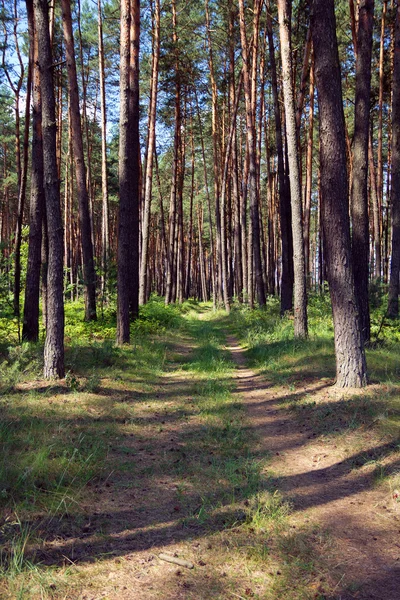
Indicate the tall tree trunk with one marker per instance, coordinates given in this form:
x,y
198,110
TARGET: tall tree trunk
x,y
300,291
129,188
188,273
89,275
359,184
284,195
22,191
180,234
170,292
54,343
30,328
220,248
393,299
309,171
303,81
379,174
238,258
249,87
224,185
20,162
85,121
349,351
376,211
150,152
105,234
210,221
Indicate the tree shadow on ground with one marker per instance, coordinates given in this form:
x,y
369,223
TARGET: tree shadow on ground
x,y
140,503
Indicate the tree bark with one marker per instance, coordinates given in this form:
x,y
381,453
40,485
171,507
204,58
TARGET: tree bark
x,y
89,276
22,191
150,152
30,328
129,189
349,350
54,343
359,187
170,292
309,171
376,210
379,173
220,248
249,92
393,299
210,221
300,291
284,195
105,234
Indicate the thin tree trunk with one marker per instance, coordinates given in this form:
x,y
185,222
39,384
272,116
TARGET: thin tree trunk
x,y
134,110
376,211
220,249
302,90
150,152
105,234
359,187
249,82
393,299
30,329
284,196
188,277
170,292
224,184
210,222
379,173
85,123
22,191
54,343
89,275
237,242
309,171
300,289
20,163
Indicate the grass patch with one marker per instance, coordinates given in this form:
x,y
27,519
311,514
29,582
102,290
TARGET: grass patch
x,y
149,445
59,440
363,426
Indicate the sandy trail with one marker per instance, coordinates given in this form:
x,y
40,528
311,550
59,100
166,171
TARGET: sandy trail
x,y
324,487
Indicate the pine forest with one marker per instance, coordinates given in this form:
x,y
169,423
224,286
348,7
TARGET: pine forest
x,y
205,191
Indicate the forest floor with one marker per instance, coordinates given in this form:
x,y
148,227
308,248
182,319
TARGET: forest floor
x,y
270,490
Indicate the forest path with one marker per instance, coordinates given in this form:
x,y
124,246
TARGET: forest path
x,y
327,487
203,468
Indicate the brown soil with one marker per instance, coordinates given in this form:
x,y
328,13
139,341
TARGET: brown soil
x,y
325,488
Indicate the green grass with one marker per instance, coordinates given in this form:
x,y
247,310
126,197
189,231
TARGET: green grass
x,y
111,422
58,438
285,361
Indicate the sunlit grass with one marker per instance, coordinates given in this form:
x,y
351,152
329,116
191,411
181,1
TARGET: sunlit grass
x,y
56,437
61,439
303,367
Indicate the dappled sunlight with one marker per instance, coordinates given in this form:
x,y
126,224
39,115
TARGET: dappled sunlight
x,y
183,448
332,451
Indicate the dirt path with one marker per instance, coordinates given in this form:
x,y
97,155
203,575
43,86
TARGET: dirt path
x,y
169,487
325,488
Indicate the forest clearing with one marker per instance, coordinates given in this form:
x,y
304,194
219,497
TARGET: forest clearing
x,y
241,458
